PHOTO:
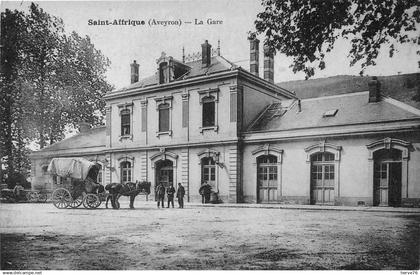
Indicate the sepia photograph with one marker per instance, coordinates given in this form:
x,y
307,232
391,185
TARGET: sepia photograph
x,y
225,135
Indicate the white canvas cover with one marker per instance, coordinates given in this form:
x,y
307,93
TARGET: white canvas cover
x,y
76,168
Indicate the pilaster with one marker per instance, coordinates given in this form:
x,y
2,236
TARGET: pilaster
x,y
185,159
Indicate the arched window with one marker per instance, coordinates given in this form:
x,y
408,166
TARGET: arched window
x,y
125,122
208,171
209,111
164,117
126,171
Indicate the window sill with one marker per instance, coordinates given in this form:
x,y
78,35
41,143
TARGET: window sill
x,y
169,133
214,128
126,137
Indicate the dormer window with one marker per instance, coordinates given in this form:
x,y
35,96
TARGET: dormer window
x,y
330,113
163,73
170,69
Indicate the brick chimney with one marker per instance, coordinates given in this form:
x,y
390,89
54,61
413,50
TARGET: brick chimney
x,y
254,53
84,127
134,72
374,90
205,54
268,64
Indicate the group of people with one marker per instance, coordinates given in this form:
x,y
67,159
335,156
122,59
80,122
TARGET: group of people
x,y
205,192
170,192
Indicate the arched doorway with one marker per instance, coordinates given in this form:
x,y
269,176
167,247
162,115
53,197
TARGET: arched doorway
x,y
267,179
322,178
164,172
387,171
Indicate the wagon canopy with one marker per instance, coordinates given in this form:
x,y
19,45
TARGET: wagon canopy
x,y
76,168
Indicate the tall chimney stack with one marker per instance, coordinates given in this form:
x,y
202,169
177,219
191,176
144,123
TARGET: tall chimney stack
x,y
268,64
134,72
205,54
374,89
254,58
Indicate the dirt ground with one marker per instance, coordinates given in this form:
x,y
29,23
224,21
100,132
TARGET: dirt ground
x,y
41,237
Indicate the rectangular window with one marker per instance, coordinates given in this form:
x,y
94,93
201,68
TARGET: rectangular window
x,y
126,172
209,114
125,123
163,118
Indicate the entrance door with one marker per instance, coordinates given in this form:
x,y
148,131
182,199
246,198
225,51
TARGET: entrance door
x,y
267,179
322,178
164,173
387,177
208,166
387,183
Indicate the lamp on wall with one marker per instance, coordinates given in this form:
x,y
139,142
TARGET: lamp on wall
x,y
220,164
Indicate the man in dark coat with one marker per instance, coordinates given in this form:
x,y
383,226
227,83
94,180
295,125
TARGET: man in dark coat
x,y
160,193
170,192
205,191
180,195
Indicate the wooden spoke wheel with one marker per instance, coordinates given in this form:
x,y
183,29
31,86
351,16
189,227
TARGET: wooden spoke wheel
x,y
76,202
32,196
91,201
42,197
61,198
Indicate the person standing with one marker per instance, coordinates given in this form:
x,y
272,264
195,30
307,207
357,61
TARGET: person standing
x,y
205,191
180,195
170,192
160,192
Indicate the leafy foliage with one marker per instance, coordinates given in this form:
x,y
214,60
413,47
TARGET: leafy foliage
x,y
49,80
307,29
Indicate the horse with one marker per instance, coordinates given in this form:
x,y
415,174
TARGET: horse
x,y
129,189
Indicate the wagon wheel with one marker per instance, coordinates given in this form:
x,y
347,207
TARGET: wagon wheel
x,y
91,201
32,196
61,198
76,202
42,197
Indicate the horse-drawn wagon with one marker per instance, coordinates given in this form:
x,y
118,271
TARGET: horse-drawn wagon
x,y
19,194
81,188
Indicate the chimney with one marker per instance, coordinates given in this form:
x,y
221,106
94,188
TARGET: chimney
x,y
254,58
134,72
268,64
374,90
84,127
205,54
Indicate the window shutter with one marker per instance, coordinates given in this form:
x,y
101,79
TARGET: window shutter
x,y
185,110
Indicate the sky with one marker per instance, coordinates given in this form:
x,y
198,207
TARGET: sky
x,y
144,43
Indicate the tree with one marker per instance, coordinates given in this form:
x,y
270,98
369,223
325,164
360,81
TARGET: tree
x,y
12,26
50,80
307,29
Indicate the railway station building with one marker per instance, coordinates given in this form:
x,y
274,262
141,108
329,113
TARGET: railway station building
x,y
251,140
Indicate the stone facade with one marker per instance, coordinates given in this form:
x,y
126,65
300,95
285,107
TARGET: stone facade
x,y
157,130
